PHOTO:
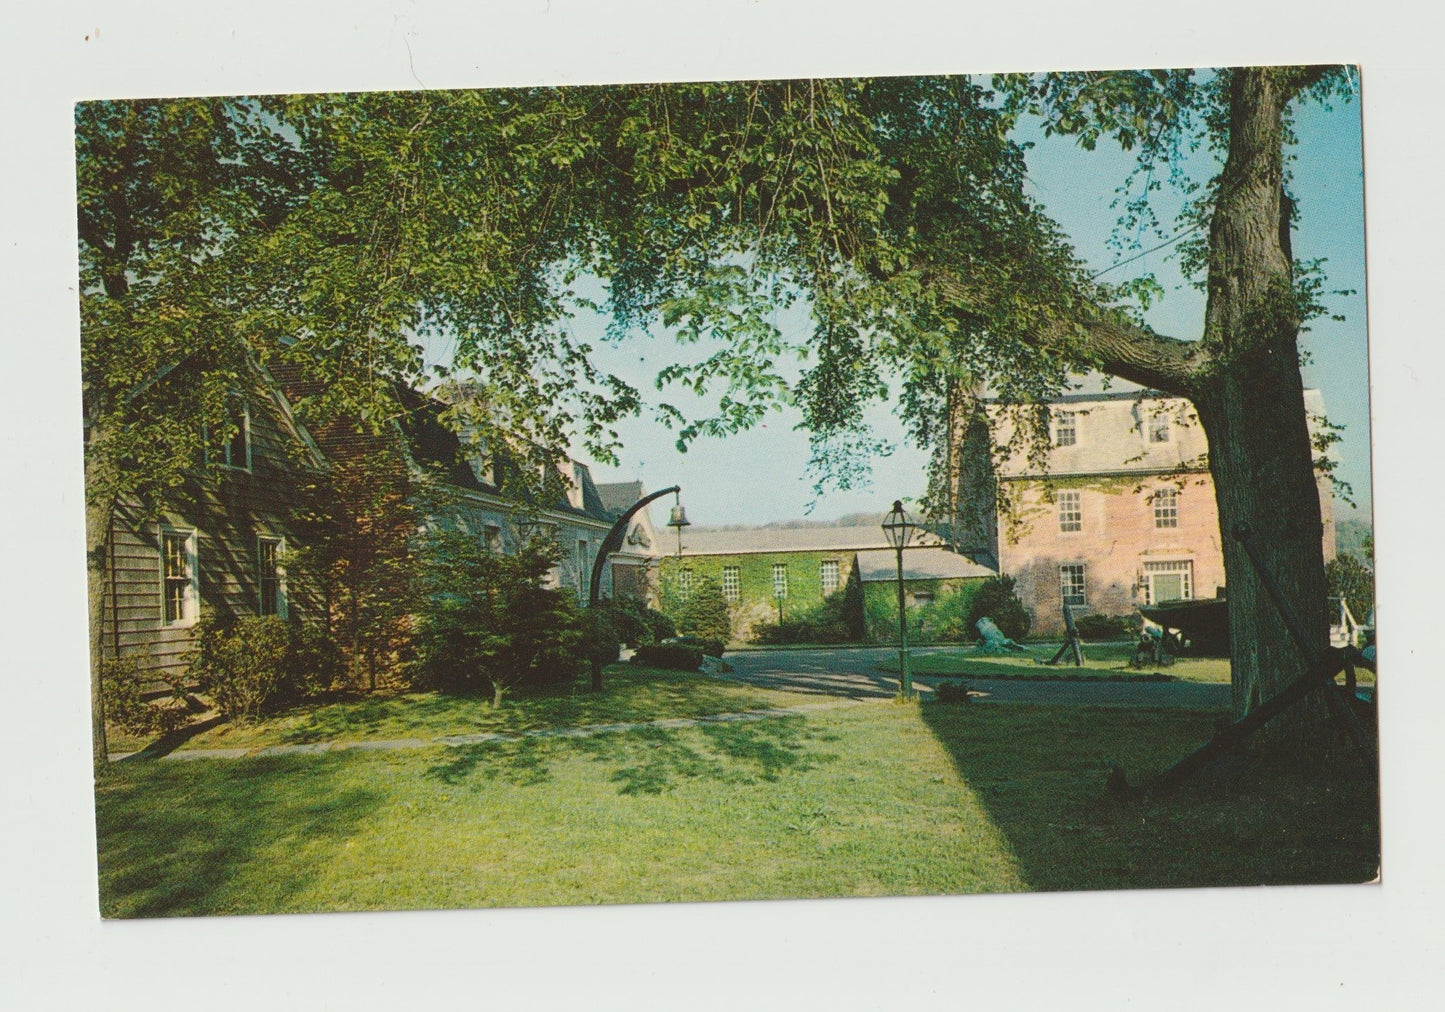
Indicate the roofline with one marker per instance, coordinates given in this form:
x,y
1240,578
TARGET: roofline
x,y
1145,473
1106,395
788,551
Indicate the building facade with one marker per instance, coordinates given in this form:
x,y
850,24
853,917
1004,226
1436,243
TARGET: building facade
x,y
1119,514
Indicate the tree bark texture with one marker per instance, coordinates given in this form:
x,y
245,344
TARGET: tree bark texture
x,y
97,554
1244,380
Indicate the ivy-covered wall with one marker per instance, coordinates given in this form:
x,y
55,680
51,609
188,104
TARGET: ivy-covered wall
x,y
755,603
941,619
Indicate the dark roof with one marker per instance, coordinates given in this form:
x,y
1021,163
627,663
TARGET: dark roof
x,y
435,446
617,496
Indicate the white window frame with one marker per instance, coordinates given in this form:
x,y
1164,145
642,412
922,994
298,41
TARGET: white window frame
x,y
1185,567
1067,583
1156,424
1166,508
223,457
191,597
1061,422
283,609
1071,511
780,580
684,582
731,582
824,568
584,568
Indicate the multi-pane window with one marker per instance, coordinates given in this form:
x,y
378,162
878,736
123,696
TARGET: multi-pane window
x,y
1071,584
272,578
1071,511
731,584
1066,428
828,574
492,538
780,579
584,570
1159,428
1168,581
1166,507
178,577
684,583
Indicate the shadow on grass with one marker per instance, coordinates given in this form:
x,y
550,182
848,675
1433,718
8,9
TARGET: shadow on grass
x,y
171,835
650,760
634,695
1040,772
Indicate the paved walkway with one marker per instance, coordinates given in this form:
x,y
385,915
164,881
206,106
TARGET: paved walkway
x,y
482,738
854,674
839,677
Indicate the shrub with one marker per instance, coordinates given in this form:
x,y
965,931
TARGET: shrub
x,y
705,614
710,648
996,599
1108,627
601,642
241,664
837,619
122,695
676,656
487,622
638,624
951,692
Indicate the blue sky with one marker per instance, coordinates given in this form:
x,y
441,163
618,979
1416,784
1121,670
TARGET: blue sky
x,y
760,475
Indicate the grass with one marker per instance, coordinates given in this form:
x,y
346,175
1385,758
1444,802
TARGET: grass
x,y
634,694
1101,660
880,799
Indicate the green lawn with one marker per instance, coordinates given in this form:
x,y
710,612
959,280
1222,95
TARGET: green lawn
x,y
634,694
878,799
1101,660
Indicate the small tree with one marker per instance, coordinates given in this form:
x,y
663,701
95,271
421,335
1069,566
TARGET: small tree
x,y
488,621
1349,578
704,615
996,600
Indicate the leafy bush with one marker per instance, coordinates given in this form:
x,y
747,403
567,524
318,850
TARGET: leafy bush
x,y
601,641
487,622
122,695
951,692
710,648
705,614
636,623
1097,628
676,656
240,663
996,599
837,619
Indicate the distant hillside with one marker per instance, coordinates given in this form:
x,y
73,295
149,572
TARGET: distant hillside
x,y
1351,530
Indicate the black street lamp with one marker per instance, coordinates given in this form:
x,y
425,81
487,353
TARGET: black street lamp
x,y
898,529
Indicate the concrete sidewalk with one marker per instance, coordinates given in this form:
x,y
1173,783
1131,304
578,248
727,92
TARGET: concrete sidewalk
x,y
489,737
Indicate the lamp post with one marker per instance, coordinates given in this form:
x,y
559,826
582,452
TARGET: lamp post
x,y
612,542
898,529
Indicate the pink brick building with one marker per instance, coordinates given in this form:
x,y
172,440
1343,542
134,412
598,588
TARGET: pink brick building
x,y
1122,513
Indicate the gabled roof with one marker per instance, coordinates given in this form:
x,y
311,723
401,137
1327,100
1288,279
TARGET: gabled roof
x,y
437,448
927,563
617,496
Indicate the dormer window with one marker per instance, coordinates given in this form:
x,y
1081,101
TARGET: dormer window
x,y
1159,428
1066,428
236,450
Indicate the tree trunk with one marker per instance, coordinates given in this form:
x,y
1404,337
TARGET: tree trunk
x,y
98,518
1250,400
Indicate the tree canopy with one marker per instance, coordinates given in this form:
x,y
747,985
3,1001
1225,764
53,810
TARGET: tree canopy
x,y
333,231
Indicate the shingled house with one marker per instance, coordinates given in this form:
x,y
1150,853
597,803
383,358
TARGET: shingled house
x,y
1121,515
219,543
